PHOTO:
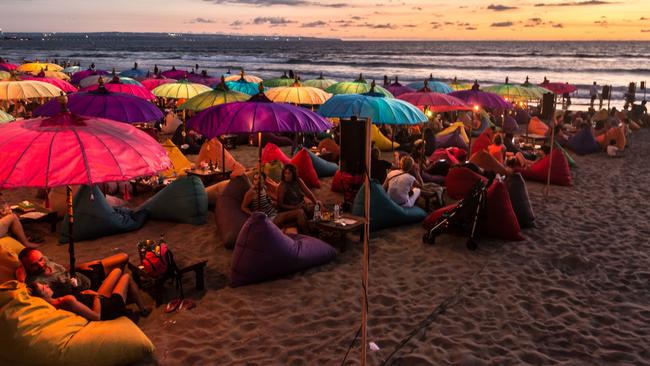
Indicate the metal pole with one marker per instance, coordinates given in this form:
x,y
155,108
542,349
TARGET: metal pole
x,y
259,170
547,191
68,191
366,240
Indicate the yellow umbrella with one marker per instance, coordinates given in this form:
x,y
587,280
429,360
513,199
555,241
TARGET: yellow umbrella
x,y
180,90
51,74
5,117
456,85
27,89
298,94
4,75
243,75
38,66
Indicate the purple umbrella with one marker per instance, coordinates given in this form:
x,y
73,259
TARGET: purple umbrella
x,y
480,98
398,89
80,75
105,104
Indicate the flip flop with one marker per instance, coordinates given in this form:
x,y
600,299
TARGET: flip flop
x,y
173,305
187,305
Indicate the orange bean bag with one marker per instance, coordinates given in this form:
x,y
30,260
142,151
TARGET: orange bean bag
x,y
537,127
560,172
305,168
212,151
487,162
459,181
614,133
272,152
331,146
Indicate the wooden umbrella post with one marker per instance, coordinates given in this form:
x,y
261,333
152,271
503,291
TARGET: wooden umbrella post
x,y
547,190
366,240
259,170
223,156
68,191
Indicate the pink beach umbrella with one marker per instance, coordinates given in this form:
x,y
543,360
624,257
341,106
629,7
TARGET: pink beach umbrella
x,y
61,84
558,88
118,87
153,83
5,66
396,88
69,150
175,74
435,102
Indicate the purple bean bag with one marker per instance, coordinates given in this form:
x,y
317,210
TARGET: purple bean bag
x,y
451,140
227,212
510,125
583,142
264,252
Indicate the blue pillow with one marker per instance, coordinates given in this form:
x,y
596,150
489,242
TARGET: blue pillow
x,y
384,212
322,167
184,200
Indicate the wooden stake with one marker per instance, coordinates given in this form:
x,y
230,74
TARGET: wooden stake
x,y
366,240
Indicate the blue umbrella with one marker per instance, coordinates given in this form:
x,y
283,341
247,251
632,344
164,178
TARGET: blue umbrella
x,y
434,86
243,86
134,72
379,110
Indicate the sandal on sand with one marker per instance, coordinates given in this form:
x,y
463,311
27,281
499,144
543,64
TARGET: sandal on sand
x,y
173,305
187,305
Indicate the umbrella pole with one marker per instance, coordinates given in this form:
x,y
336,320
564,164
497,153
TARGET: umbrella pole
x,y
259,170
68,191
223,156
366,240
547,191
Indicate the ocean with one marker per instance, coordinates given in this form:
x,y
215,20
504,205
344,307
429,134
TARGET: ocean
x,y
489,62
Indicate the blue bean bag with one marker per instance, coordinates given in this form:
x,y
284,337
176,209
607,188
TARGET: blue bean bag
x,y
384,212
520,201
95,218
323,167
263,252
184,201
453,139
583,142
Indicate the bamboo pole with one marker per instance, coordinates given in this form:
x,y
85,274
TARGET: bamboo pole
x,y
68,191
366,240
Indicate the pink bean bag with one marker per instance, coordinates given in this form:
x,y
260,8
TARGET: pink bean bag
x,y
272,152
560,172
460,181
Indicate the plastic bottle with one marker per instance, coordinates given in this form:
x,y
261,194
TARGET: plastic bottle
x,y
337,212
317,215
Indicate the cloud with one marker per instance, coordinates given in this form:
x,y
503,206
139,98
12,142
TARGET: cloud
x,y
470,28
643,18
379,26
278,2
237,23
502,24
418,8
578,3
273,21
602,23
498,7
201,20
558,25
318,23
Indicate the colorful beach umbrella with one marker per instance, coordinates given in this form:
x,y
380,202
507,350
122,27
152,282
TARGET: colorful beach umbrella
x,y
61,84
72,69
134,73
513,92
283,80
6,117
435,102
203,78
479,98
153,83
117,87
219,95
298,94
175,74
94,79
457,85
182,89
5,75
434,85
102,103
245,76
396,88
558,88
38,66
27,89
243,86
6,66
80,75
51,74
379,110
359,86
320,82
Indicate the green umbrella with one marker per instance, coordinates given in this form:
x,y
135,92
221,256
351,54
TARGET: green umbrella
x,y
513,92
358,86
538,90
283,80
320,82
219,95
6,117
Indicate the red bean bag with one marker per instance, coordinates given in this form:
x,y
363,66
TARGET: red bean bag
x,y
487,162
433,217
500,221
482,141
444,154
459,153
560,172
272,152
343,180
305,168
460,181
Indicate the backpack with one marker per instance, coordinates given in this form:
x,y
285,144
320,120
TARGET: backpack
x,y
157,260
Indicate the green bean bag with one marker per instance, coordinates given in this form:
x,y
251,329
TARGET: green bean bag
x,y
184,201
323,167
384,212
95,218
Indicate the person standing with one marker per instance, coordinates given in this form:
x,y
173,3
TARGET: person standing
x,y
593,93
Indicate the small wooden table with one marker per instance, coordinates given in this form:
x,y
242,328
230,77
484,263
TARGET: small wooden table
x,y
157,285
533,138
46,215
209,177
335,228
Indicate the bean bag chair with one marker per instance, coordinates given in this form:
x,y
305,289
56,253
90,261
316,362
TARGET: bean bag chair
x,y
322,167
211,151
482,141
57,199
345,181
9,249
614,133
487,162
273,170
520,201
455,127
305,169
510,125
453,139
227,212
381,142
95,218
500,221
459,153
583,142
179,161
263,252
384,212
569,158
272,138
214,191
460,181
184,201
560,172
272,152
330,145
444,154
537,127
431,220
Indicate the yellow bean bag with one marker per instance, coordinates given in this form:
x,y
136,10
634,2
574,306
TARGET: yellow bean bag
x,y
381,142
33,332
212,151
453,127
179,161
537,127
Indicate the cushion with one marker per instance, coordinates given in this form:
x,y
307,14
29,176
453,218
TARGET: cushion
x,y
460,181
184,201
323,167
444,154
9,249
33,332
455,127
560,172
343,181
482,141
583,142
273,170
487,162
178,160
212,151
380,141
330,145
272,152
519,199
614,133
95,218
264,252
227,212
454,139
305,169
500,221
215,191
384,212
537,127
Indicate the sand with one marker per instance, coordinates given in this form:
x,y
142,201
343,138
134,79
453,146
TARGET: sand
x,y
575,292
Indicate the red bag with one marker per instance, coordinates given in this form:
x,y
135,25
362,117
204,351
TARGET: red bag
x,y
155,260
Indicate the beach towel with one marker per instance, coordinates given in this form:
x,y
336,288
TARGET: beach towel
x,y
384,212
583,142
178,160
212,151
460,181
184,200
380,141
560,172
227,212
272,152
323,167
520,200
305,169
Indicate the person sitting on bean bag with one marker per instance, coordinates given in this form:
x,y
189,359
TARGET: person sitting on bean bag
x,y
292,192
257,199
402,187
497,149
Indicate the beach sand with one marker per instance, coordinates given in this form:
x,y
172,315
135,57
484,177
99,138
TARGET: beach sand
x,y
575,292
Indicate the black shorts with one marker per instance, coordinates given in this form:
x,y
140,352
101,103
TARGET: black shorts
x,y
112,307
95,274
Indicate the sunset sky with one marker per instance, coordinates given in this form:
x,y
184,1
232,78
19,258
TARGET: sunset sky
x,y
351,19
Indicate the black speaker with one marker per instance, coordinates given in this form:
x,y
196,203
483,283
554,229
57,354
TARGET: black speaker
x,y
548,106
353,145
631,89
606,91
642,87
